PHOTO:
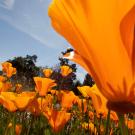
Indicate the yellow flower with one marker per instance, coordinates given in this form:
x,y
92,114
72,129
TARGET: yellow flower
x,y
43,85
65,70
10,125
89,126
47,72
102,33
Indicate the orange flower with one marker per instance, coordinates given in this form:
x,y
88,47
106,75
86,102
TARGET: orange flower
x,y
45,103
68,98
82,104
33,107
65,70
18,129
43,85
47,72
54,92
39,105
23,99
2,78
57,119
130,124
113,116
12,101
6,99
5,86
8,69
98,100
1,85
11,71
18,88
102,33
5,66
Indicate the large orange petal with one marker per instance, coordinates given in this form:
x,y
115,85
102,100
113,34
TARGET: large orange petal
x,y
22,100
93,28
43,85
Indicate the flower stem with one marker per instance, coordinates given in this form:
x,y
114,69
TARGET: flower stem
x,y
123,127
107,123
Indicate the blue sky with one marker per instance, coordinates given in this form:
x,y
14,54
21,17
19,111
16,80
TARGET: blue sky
x,y
25,29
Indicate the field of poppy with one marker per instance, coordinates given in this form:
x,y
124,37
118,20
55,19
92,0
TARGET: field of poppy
x,y
102,34
47,111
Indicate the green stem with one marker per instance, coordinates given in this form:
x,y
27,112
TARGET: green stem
x,y
107,123
123,127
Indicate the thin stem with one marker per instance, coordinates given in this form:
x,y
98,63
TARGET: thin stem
x,y
123,127
107,123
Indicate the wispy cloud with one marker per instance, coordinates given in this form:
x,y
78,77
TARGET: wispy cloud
x,y
7,4
31,17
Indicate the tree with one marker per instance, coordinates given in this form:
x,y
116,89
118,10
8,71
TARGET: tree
x,y
26,70
88,80
64,83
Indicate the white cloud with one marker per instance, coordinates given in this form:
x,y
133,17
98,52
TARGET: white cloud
x,y
7,4
31,17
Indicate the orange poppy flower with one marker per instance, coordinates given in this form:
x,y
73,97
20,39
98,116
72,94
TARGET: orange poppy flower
x,y
18,129
57,119
65,70
82,105
5,86
6,99
8,69
23,99
39,105
11,71
5,66
1,85
130,124
98,100
102,33
47,72
43,85
12,101
45,103
33,107
2,78
67,99
54,92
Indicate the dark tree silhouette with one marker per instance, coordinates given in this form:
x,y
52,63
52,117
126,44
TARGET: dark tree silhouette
x,y
26,70
88,80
